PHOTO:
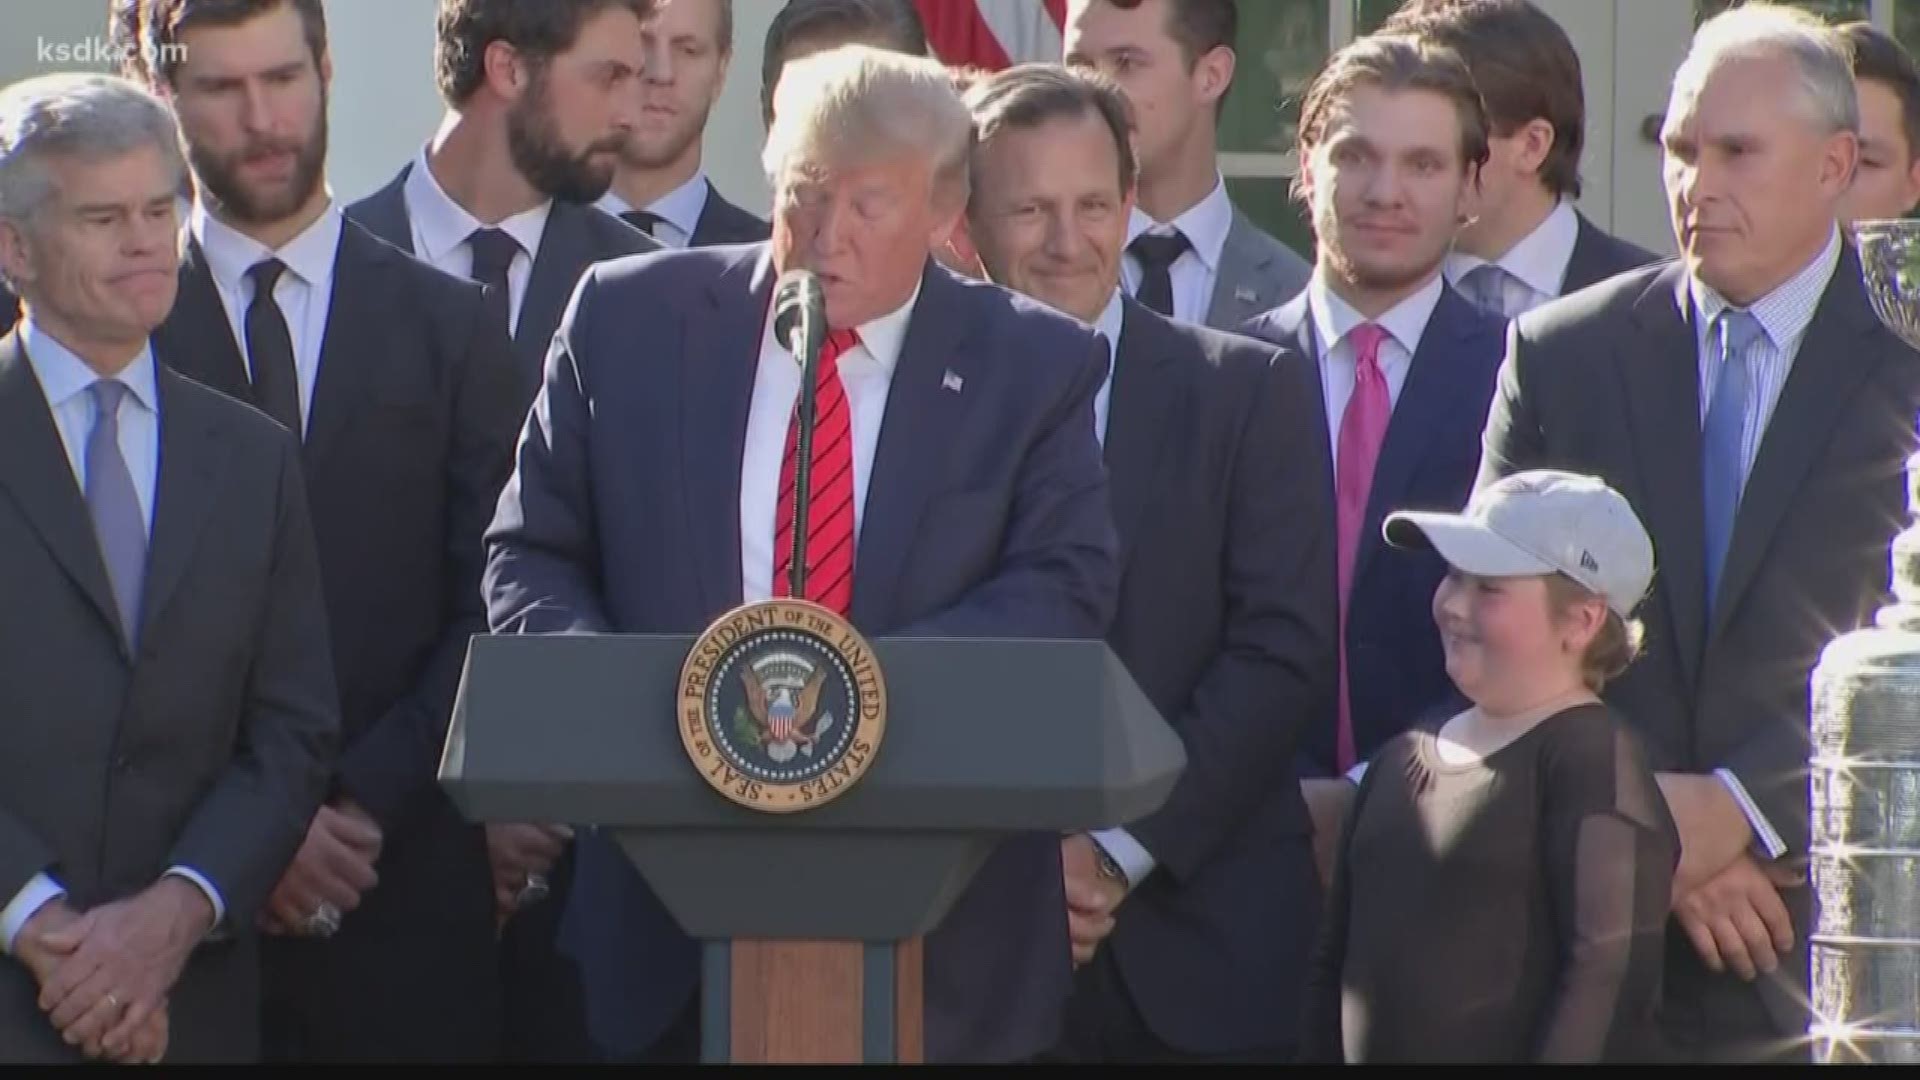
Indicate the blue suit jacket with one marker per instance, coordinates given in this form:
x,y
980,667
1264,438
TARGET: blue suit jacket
x,y
986,515
1397,670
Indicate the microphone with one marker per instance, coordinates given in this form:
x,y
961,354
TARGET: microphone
x,y
800,315
800,323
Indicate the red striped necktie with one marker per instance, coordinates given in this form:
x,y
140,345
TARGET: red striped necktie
x,y
830,503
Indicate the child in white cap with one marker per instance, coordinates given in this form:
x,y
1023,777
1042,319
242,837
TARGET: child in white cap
x,y
1504,874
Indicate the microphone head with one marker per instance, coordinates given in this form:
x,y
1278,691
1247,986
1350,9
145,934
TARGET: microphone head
x,y
799,307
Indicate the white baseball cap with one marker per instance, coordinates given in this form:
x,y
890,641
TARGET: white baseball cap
x,y
1541,522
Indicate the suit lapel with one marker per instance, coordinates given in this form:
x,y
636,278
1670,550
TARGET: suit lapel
x,y
35,470
1658,363
350,350
183,499
1240,289
197,339
1145,391
1833,360
1433,394
718,361
565,251
384,213
916,439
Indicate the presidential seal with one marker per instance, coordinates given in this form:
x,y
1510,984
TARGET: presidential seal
x,y
782,706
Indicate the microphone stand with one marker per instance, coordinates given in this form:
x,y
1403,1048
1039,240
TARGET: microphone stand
x,y
810,340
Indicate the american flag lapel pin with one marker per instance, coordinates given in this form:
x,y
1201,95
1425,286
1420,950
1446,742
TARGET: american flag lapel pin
x,y
1245,295
952,381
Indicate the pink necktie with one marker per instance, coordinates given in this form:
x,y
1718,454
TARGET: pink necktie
x,y
1363,427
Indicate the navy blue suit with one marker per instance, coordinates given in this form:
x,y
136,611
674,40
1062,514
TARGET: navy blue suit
x,y
1396,669
1227,622
986,516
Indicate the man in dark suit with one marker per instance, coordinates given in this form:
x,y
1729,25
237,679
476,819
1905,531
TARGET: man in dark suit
x,y
660,187
1525,243
1758,415
647,484
1191,254
503,194
1390,135
1193,924
407,402
164,671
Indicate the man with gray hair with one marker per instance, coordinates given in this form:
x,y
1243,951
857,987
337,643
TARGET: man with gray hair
x,y
1758,415
956,483
165,682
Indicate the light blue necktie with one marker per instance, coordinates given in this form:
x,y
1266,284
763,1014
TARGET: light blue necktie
x,y
118,523
1486,286
1722,463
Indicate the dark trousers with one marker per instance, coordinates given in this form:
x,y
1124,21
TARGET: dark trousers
x,y
1720,1019
1103,1025
545,1018
410,977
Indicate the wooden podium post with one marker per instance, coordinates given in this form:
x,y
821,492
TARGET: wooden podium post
x,y
813,1002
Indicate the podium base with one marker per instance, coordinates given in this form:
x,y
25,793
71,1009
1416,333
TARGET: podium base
x,y
811,1002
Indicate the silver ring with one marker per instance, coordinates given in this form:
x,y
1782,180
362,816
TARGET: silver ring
x,y
113,1001
534,890
325,920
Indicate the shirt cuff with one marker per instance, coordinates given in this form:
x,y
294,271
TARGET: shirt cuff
x,y
1763,829
37,893
1354,774
205,886
1135,861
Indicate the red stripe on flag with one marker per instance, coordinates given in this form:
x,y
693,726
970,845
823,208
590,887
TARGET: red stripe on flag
x,y
959,36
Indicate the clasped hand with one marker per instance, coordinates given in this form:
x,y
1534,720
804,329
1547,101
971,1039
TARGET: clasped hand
x,y
105,974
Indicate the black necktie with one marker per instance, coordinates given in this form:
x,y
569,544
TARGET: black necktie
x,y
276,384
493,252
644,220
1156,255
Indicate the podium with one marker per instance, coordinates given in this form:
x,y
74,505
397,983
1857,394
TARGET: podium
x,y
983,739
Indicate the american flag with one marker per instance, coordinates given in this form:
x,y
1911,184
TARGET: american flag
x,y
993,34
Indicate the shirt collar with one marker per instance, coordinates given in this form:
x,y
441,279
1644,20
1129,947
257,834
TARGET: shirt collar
x,y
63,375
680,208
1539,260
1205,224
444,224
885,336
1112,318
231,253
1785,312
1334,318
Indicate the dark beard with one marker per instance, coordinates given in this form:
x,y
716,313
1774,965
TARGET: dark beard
x,y
536,150
219,181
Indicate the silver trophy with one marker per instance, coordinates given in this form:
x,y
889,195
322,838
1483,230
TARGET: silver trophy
x,y
1865,775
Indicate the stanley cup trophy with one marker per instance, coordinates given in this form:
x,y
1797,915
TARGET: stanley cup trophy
x,y
1865,775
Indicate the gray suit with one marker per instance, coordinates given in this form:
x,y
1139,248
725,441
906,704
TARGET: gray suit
x,y
1257,273
1606,382
209,746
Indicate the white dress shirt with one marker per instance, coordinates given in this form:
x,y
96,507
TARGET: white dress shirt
x,y
441,227
1334,320
679,210
866,372
1536,266
1205,225
64,379
304,292
1784,314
